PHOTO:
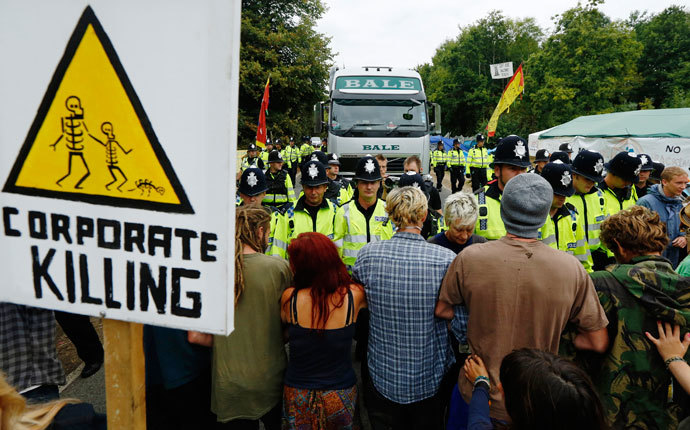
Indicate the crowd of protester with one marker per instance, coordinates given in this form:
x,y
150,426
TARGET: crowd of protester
x,y
512,307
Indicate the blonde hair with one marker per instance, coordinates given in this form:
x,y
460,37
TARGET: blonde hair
x,y
247,222
406,206
637,230
671,172
461,207
15,415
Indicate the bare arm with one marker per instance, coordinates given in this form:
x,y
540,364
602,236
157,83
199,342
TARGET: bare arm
x,y
597,340
444,310
198,338
669,346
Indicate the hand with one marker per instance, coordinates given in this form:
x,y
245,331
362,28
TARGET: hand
x,y
474,366
680,242
198,338
669,343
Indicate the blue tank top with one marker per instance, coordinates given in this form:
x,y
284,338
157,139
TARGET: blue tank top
x,y
321,360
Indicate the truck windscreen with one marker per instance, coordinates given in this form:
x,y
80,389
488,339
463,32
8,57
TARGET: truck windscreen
x,y
378,118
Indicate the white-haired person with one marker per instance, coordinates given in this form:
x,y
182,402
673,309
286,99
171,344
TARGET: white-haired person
x,y
460,213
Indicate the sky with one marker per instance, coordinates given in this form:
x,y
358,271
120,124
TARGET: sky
x,y
406,33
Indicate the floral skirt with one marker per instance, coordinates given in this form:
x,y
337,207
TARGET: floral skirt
x,y
305,409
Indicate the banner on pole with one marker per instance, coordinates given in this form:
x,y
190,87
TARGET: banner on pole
x,y
502,70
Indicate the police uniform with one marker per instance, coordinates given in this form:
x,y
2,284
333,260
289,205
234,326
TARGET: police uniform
x,y
253,183
248,161
542,155
625,165
291,155
305,149
304,218
339,189
590,206
356,226
568,149
280,192
478,161
511,150
456,164
565,229
438,162
264,154
560,156
647,166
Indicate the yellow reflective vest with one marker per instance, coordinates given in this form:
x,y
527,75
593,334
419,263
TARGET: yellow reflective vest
x,y
489,223
297,220
564,231
613,204
592,210
478,157
352,231
305,150
455,157
280,189
291,155
438,157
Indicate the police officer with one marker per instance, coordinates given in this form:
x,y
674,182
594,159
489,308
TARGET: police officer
x,y
252,188
588,200
560,156
434,222
456,164
281,193
540,160
478,161
291,156
362,219
511,159
252,159
642,184
305,149
568,149
563,228
312,212
339,188
267,150
438,162
619,194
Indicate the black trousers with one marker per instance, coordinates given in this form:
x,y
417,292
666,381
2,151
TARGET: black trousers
x,y
457,178
440,173
81,333
385,414
185,407
478,177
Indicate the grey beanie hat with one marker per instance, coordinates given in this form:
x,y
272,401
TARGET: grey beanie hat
x,y
525,205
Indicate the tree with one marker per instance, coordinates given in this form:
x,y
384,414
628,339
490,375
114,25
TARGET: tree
x,y
665,61
587,66
278,38
460,78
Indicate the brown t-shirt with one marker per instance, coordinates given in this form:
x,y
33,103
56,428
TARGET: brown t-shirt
x,y
518,295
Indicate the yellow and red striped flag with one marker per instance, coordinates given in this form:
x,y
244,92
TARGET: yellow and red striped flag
x,y
515,87
261,128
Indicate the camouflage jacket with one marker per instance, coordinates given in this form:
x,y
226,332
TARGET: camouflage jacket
x,y
631,377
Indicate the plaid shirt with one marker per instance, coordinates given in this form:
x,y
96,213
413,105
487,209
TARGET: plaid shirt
x,y
27,347
409,351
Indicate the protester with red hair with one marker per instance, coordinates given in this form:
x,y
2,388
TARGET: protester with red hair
x,y
320,311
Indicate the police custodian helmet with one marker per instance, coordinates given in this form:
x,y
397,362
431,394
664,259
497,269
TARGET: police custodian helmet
x,y
512,150
589,164
368,169
253,182
559,176
313,173
542,155
275,157
626,165
561,156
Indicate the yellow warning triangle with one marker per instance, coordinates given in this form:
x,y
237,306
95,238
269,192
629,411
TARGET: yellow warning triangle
x,y
91,140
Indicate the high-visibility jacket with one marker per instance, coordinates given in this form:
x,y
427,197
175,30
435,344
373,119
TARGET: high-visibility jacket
x,y
592,210
264,157
339,191
248,162
296,221
291,155
352,231
438,157
478,157
280,189
489,169
613,204
455,157
565,231
489,223
305,150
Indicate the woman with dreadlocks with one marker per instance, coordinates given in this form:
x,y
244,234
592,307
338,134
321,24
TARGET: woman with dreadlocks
x,y
248,365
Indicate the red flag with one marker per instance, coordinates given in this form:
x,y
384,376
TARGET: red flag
x,y
261,128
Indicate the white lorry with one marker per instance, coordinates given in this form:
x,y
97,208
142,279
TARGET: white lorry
x,y
377,110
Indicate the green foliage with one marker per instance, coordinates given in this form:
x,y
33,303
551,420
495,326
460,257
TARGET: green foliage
x,y
278,38
665,61
460,80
